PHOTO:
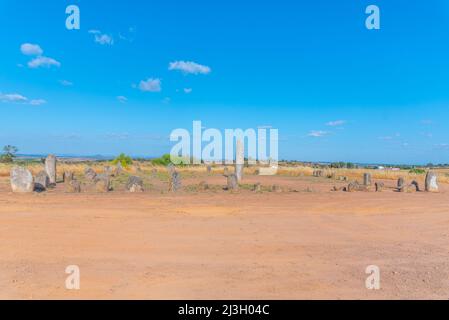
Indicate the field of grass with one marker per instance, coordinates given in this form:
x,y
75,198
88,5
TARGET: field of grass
x,y
147,168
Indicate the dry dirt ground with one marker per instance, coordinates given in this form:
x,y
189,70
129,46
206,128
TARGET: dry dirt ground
x,y
220,245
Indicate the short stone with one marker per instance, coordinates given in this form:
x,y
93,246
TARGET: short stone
x,y
41,181
21,180
232,183
174,181
102,183
67,176
379,186
134,184
72,186
90,174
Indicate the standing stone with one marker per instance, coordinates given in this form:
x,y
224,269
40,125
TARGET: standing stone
x,y
171,169
72,186
257,187
209,169
102,183
431,182
203,186
108,170
239,160
226,171
276,188
174,181
232,182
379,186
50,168
90,174
401,183
367,179
21,180
67,176
416,185
41,182
353,186
154,173
118,169
134,184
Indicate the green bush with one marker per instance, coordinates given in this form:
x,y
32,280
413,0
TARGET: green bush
x,y
166,159
124,160
417,171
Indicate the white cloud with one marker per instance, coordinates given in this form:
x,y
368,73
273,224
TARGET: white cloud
x,y
31,49
187,90
318,133
122,99
42,61
336,123
18,98
12,97
102,38
150,85
189,67
38,102
66,83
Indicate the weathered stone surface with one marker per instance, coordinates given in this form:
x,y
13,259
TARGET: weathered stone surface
x,y
401,183
353,186
174,182
203,186
276,188
239,160
72,186
257,187
171,169
415,186
90,174
41,181
68,176
154,173
226,171
21,180
134,184
367,179
109,171
50,168
379,186
232,183
431,182
118,169
318,173
102,183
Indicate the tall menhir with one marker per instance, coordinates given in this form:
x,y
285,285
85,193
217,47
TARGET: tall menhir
x,y
50,168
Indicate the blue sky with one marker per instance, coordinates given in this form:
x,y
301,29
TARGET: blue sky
x,y
335,90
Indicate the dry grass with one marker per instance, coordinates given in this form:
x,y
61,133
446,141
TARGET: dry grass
x,y
146,168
